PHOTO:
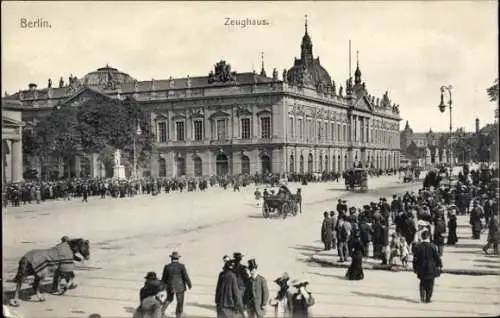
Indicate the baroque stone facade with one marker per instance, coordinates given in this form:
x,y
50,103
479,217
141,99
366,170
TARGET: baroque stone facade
x,y
231,123
12,153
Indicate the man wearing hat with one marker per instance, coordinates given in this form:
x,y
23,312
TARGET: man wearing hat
x,y
151,286
176,278
227,295
301,299
256,294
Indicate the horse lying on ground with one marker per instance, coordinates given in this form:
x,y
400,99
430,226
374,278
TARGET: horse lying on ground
x,y
40,263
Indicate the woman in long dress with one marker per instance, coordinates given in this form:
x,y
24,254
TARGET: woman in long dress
x,y
355,271
282,302
452,227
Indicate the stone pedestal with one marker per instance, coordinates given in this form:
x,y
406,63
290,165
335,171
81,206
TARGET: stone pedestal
x,y
119,172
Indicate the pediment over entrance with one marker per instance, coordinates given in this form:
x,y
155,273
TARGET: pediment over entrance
x,y
363,104
219,114
83,95
264,112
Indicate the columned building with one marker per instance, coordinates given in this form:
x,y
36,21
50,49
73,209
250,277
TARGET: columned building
x,y
12,147
245,123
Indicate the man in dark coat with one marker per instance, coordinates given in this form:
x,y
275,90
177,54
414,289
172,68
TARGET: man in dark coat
x,y
151,286
241,272
326,231
176,278
427,265
475,221
227,294
256,293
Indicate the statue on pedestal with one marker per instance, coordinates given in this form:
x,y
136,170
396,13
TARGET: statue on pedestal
x,y
117,158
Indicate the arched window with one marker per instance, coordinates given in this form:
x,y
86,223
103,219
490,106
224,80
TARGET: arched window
x,y
221,165
266,164
162,167
181,166
301,164
327,167
292,164
198,167
245,165
320,164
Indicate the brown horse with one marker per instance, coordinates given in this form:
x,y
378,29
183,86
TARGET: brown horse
x,y
39,263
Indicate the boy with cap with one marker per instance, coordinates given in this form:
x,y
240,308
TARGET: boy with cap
x,y
150,287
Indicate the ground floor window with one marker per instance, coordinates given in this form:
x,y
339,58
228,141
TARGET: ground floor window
x,y
292,163
181,166
198,167
162,167
245,165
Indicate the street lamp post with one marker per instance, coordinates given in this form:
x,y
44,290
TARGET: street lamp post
x,y
137,133
442,108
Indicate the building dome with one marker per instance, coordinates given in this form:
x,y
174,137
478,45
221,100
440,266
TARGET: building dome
x,y
312,75
105,75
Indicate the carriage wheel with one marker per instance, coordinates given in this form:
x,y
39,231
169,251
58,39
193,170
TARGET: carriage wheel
x,y
284,210
265,210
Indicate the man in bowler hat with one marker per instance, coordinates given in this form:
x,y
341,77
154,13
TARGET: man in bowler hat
x,y
176,278
257,293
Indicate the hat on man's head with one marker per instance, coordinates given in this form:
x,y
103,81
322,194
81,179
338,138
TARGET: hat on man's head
x,y
299,282
252,264
238,256
150,275
340,200
283,278
344,201
175,255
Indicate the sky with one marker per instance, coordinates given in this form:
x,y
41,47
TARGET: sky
x,y
407,48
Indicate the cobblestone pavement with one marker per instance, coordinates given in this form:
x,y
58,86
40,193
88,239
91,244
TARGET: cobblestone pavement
x,y
132,236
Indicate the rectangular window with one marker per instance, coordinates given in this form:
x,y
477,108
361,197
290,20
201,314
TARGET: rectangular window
x,y
221,129
198,130
332,131
319,129
339,133
265,127
310,129
179,129
291,132
245,128
325,131
162,132
301,128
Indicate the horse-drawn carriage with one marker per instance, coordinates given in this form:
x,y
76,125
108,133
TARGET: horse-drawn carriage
x,y
356,178
282,203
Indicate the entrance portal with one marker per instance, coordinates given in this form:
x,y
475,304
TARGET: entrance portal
x,y
221,165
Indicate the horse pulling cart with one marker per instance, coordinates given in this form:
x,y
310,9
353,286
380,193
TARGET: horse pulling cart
x,y
282,204
356,178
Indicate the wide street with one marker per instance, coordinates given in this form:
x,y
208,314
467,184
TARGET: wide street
x,y
132,236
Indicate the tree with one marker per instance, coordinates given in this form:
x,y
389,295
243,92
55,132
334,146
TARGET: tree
x,y
493,91
99,126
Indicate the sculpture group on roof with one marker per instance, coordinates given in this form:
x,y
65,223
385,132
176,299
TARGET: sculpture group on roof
x,y
222,73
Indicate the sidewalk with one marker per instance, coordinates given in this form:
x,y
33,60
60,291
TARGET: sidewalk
x,y
465,258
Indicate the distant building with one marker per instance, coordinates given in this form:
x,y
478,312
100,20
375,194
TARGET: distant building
x,y
242,123
428,148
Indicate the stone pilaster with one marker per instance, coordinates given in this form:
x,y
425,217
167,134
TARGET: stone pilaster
x,y
17,161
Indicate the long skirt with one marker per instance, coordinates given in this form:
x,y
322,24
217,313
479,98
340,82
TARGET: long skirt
x,y
452,237
355,270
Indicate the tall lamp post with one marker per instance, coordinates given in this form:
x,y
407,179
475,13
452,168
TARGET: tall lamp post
x,y
442,107
138,132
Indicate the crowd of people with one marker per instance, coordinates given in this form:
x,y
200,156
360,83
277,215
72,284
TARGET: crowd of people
x,y
416,218
22,193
